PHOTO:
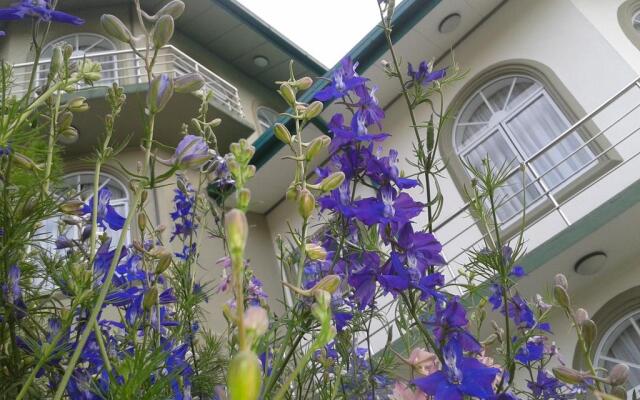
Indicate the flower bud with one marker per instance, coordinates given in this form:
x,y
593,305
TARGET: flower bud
x,y
313,110
188,83
568,375
244,197
164,263
616,393
323,300
316,145
256,319
142,221
561,280
581,315
25,162
71,220
72,207
282,133
329,284
315,252
78,104
68,135
150,298
561,296
90,70
175,9
244,376
192,152
160,93
306,203
619,375
292,192
115,28
64,120
303,83
288,94
57,62
237,229
332,181
589,332
163,31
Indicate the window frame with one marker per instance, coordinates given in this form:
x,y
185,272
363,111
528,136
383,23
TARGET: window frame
x,y
260,128
547,197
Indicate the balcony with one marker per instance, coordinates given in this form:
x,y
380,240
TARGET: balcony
x,y
127,69
596,208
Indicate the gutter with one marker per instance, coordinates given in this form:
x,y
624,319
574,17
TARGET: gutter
x,y
366,53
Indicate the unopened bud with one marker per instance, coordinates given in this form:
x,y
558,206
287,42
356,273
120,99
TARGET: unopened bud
x,y
144,196
561,280
288,94
142,221
332,181
138,246
72,207
163,31
313,110
189,83
237,229
303,83
71,219
244,376
315,252
316,145
115,28
619,375
256,319
306,203
568,375
150,298
244,197
292,192
589,332
68,135
175,9
282,133
581,315
78,104
561,296
163,263
25,162
57,61
64,120
329,284
160,93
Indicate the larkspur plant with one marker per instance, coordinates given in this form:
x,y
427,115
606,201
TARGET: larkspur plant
x,y
83,315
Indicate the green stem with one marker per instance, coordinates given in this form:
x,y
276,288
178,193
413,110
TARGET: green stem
x,y
52,139
426,335
299,367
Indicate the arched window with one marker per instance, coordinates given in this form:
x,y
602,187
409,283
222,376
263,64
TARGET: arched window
x,y
266,118
635,21
511,120
90,45
80,186
620,344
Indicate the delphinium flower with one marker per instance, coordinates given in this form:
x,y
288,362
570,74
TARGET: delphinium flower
x,y
107,215
425,73
460,376
191,153
184,213
345,79
12,292
38,9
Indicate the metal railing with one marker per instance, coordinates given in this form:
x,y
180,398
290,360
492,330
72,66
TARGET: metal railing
x,y
609,132
127,68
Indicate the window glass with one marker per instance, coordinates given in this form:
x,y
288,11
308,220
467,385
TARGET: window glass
x,y
266,118
621,345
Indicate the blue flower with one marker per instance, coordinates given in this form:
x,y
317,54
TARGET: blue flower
x,y
192,152
532,351
106,213
12,292
184,214
40,9
425,74
460,376
363,278
421,249
387,207
345,78
350,135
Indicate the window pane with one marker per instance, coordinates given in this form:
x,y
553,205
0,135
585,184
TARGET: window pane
x,y
496,149
497,93
536,126
473,119
624,345
523,88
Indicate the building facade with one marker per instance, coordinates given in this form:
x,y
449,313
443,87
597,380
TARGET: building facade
x,y
551,84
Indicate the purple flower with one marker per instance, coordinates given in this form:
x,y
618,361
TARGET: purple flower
x,y
106,213
385,170
363,278
387,207
192,152
12,291
350,135
421,249
460,376
183,215
369,110
425,74
345,78
532,351
40,9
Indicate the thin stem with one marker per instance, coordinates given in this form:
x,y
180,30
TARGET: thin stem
x,y
426,335
52,138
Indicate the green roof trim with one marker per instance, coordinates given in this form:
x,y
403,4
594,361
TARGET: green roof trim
x,y
275,37
366,53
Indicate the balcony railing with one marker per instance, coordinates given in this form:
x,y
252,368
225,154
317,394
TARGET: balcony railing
x,y
610,132
127,68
